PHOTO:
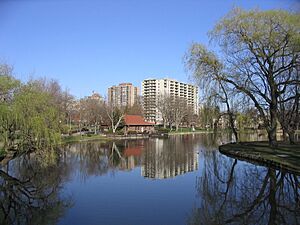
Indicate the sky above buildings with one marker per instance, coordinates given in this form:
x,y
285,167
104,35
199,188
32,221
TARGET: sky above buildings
x,y
91,45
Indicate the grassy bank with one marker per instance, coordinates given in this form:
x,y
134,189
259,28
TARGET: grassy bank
x,y
78,138
284,156
190,132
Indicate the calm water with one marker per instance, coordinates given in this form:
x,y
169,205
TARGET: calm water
x,y
180,180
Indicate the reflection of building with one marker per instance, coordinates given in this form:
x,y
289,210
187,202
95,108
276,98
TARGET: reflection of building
x,y
132,154
153,89
164,159
132,157
125,94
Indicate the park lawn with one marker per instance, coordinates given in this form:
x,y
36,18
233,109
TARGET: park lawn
x,y
77,138
189,131
284,156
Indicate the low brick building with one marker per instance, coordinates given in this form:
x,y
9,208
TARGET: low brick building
x,y
136,123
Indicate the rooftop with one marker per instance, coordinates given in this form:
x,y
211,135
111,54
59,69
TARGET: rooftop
x,y
136,120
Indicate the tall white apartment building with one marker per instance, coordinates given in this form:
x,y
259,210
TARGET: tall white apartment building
x,y
153,89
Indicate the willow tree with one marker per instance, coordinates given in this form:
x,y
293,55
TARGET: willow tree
x,y
260,51
38,119
208,70
8,87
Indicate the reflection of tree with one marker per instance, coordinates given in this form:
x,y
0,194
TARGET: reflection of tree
x,y
247,195
31,194
115,157
96,158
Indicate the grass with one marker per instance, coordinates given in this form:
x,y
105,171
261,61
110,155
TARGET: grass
x,y
284,156
189,131
92,137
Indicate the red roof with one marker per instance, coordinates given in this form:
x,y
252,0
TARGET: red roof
x,y
136,120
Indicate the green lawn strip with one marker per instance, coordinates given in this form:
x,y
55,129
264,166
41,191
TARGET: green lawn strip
x,y
190,132
70,139
285,155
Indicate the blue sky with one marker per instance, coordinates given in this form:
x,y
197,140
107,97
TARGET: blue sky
x,y
90,45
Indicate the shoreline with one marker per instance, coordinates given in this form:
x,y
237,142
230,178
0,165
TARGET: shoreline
x,y
72,139
283,157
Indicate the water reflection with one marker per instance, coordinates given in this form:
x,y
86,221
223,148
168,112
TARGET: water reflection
x,y
98,159
30,192
158,158
164,158
107,176
234,192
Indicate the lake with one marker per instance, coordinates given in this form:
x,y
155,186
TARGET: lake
x,y
179,180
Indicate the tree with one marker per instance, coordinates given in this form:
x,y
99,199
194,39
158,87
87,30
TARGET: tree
x,y
29,115
136,108
115,116
8,88
37,119
178,110
209,72
208,114
261,49
62,99
92,112
173,109
164,105
289,112
190,119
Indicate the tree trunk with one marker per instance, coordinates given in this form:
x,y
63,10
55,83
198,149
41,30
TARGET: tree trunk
x,y
273,127
291,137
272,137
284,134
231,121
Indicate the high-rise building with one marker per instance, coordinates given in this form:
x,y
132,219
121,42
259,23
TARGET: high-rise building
x,y
154,89
125,94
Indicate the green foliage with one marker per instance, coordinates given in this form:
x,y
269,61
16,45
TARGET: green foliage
x,y
37,117
265,28
8,87
29,115
162,130
261,63
208,115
